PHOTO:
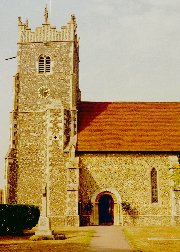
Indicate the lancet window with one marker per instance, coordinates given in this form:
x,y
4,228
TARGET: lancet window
x,y
154,187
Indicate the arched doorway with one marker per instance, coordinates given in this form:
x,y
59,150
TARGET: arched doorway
x,y
106,210
113,198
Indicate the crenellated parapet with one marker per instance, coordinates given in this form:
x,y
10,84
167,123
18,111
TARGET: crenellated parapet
x,y
46,32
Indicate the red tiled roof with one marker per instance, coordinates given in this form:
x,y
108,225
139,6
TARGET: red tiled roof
x,y
129,126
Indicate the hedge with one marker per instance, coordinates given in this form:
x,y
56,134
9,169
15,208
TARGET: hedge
x,y
16,218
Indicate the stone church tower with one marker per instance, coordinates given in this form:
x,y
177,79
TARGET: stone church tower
x,y
44,121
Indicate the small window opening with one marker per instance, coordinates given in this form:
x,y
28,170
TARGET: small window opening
x,y
44,64
48,64
154,189
41,64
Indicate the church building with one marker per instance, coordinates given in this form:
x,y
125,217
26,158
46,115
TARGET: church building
x,y
99,163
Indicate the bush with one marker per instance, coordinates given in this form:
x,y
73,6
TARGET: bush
x,y
41,237
47,237
126,206
16,218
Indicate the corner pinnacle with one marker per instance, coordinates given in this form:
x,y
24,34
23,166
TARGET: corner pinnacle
x,y
46,15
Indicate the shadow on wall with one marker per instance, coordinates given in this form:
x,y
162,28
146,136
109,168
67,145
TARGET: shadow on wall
x,y
87,186
99,204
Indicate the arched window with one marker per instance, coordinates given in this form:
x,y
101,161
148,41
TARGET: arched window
x,y
154,188
48,64
44,64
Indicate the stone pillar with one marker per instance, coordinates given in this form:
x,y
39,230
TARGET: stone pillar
x,y
44,227
72,192
177,206
175,191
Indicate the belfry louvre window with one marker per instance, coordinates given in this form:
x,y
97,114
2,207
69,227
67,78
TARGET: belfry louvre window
x,y
154,188
44,64
48,64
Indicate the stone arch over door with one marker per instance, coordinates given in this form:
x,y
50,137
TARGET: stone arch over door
x,y
117,213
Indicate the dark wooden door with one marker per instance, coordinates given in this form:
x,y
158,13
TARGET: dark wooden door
x,y
106,210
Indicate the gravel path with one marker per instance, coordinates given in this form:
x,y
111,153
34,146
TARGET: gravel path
x,y
109,239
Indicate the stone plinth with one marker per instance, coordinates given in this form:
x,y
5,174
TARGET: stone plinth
x,y
44,226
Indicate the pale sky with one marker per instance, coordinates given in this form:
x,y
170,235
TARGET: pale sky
x,y
129,49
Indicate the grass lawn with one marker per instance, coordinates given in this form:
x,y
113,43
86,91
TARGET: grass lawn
x,y
77,241
138,238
